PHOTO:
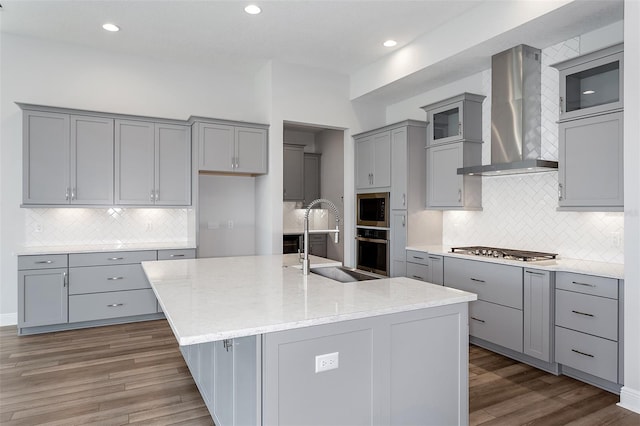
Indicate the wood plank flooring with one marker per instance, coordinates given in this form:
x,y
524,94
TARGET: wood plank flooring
x,y
135,374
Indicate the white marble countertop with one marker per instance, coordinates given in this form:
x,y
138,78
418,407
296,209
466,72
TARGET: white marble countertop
x,y
90,248
603,269
212,299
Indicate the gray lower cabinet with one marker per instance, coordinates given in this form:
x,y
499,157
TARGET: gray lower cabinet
x,y
424,266
398,243
588,144
538,313
153,163
293,172
42,290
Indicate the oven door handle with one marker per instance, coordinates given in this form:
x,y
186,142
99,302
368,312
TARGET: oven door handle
x,y
373,240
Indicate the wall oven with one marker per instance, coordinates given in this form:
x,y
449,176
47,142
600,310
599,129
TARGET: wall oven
x,y
372,250
373,209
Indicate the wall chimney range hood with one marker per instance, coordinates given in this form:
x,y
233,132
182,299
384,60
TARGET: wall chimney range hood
x,y
516,115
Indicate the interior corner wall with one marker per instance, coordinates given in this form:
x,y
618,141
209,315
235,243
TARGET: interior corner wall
x,y
332,183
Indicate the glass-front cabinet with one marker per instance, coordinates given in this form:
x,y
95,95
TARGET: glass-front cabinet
x,y
455,119
591,84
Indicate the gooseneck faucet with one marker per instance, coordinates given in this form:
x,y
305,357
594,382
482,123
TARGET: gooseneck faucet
x,y
306,263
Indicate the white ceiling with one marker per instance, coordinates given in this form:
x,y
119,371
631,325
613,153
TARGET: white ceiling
x,y
341,36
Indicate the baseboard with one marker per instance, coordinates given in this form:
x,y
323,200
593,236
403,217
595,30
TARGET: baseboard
x,y
630,399
8,319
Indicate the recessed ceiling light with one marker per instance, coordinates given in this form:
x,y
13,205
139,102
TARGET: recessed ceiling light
x,y
111,27
252,9
389,43
588,92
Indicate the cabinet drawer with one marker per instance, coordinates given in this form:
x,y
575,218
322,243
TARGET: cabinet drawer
x,y
590,354
111,258
89,307
176,254
492,282
588,284
417,257
589,314
497,324
417,271
42,261
99,279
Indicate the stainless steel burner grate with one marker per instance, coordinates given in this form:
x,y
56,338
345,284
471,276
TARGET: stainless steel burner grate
x,y
502,253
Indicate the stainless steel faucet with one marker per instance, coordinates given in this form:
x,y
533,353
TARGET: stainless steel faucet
x,y
306,263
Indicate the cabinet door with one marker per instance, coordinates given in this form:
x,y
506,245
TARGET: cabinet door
x,y
537,314
398,243
382,160
250,150
293,172
591,163
223,385
173,165
135,162
436,270
445,123
311,177
216,147
42,297
399,169
92,160
444,185
364,160
45,158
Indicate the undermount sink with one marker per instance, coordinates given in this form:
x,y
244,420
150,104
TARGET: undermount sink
x,y
345,275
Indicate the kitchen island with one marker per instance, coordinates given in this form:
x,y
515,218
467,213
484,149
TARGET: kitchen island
x,y
267,345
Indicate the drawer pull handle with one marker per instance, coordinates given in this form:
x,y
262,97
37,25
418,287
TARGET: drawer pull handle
x,y
583,284
114,278
419,258
583,313
44,262
434,258
534,273
477,319
115,258
417,277
177,255
115,305
582,353
477,280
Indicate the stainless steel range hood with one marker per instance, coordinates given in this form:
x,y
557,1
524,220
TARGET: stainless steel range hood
x,y
516,115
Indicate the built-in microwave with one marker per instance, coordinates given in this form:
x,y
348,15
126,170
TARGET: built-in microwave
x,y
373,209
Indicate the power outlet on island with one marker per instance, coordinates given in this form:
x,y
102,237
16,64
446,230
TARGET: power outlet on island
x,y
326,362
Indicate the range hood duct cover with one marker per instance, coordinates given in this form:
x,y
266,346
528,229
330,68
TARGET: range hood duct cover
x,y
516,115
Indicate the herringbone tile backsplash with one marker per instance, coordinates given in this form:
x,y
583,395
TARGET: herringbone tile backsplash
x,y
519,211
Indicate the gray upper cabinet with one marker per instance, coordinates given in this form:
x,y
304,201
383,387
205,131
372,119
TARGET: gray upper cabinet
x,y
228,148
68,159
373,160
592,83
293,173
591,163
153,163
311,177
455,119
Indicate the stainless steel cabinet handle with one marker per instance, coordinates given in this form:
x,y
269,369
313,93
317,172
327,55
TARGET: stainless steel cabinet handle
x,y
561,105
115,258
177,255
151,195
583,313
460,128
66,194
534,273
434,258
459,195
582,353
417,257
404,221
559,192
404,199
417,277
583,284
44,262
73,193
65,279
477,280
115,305
115,278
477,319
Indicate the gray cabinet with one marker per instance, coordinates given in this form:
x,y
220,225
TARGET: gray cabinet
x,y
67,159
398,243
455,119
227,147
424,266
590,165
538,308
318,245
311,177
153,163
373,160
42,291
293,172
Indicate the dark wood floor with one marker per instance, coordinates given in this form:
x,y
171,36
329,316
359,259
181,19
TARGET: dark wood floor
x,y
134,374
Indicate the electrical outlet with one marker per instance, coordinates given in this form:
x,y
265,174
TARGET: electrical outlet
x,y
326,362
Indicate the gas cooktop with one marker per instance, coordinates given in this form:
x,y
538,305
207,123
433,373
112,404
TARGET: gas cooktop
x,y
501,253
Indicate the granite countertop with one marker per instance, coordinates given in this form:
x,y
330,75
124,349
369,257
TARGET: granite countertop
x,y
589,267
213,299
91,248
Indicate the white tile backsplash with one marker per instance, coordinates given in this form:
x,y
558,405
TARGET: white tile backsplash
x,y
64,226
519,211
293,217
